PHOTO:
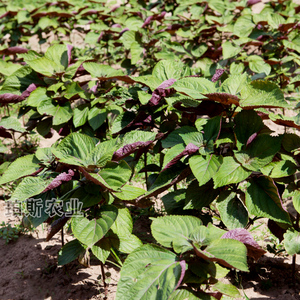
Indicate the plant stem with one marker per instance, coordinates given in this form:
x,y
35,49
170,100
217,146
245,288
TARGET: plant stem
x,y
146,173
294,270
103,279
62,237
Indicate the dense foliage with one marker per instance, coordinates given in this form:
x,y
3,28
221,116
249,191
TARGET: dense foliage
x,y
179,91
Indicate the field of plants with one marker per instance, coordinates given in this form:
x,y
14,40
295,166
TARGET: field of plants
x,y
173,139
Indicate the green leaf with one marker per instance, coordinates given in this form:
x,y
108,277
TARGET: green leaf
x,y
80,116
72,90
232,210
227,252
291,142
69,252
243,26
175,137
129,192
198,197
227,289
61,113
194,87
89,232
263,149
258,65
170,69
29,187
204,168
234,84
155,269
37,96
12,123
229,50
102,249
20,80
136,51
74,149
21,167
174,202
115,174
261,93
101,71
262,200
278,169
247,122
54,62
179,229
292,242
230,172
96,117
122,227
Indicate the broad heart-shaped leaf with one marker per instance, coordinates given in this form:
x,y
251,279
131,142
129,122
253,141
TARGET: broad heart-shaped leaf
x,y
102,248
11,123
136,51
229,50
55,61
37,96
113,176
74,149
227,252
21,167
174,202
262,149
29,187
198,197
175,137
292,242
69,252
247,122
19,81
258,65
167,69
204,168
61,113
262,93
97,117
278,169
89,232
263,200
102,71
234,84
179,229
291,142
243,26
129,192
242,235
150,272
194,87
127,242
80,116
230,172
232,210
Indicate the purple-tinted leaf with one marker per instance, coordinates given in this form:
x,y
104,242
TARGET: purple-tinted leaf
x,y
217,75
224,98
13,50
276,229
69,47
242,235
251,139
147,21
189,150
128,149
52,14
57,181
4,133
252,2
183,269
12,98
56,226
161,91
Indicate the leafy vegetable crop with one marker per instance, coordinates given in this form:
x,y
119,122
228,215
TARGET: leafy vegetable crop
x,y
193,93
